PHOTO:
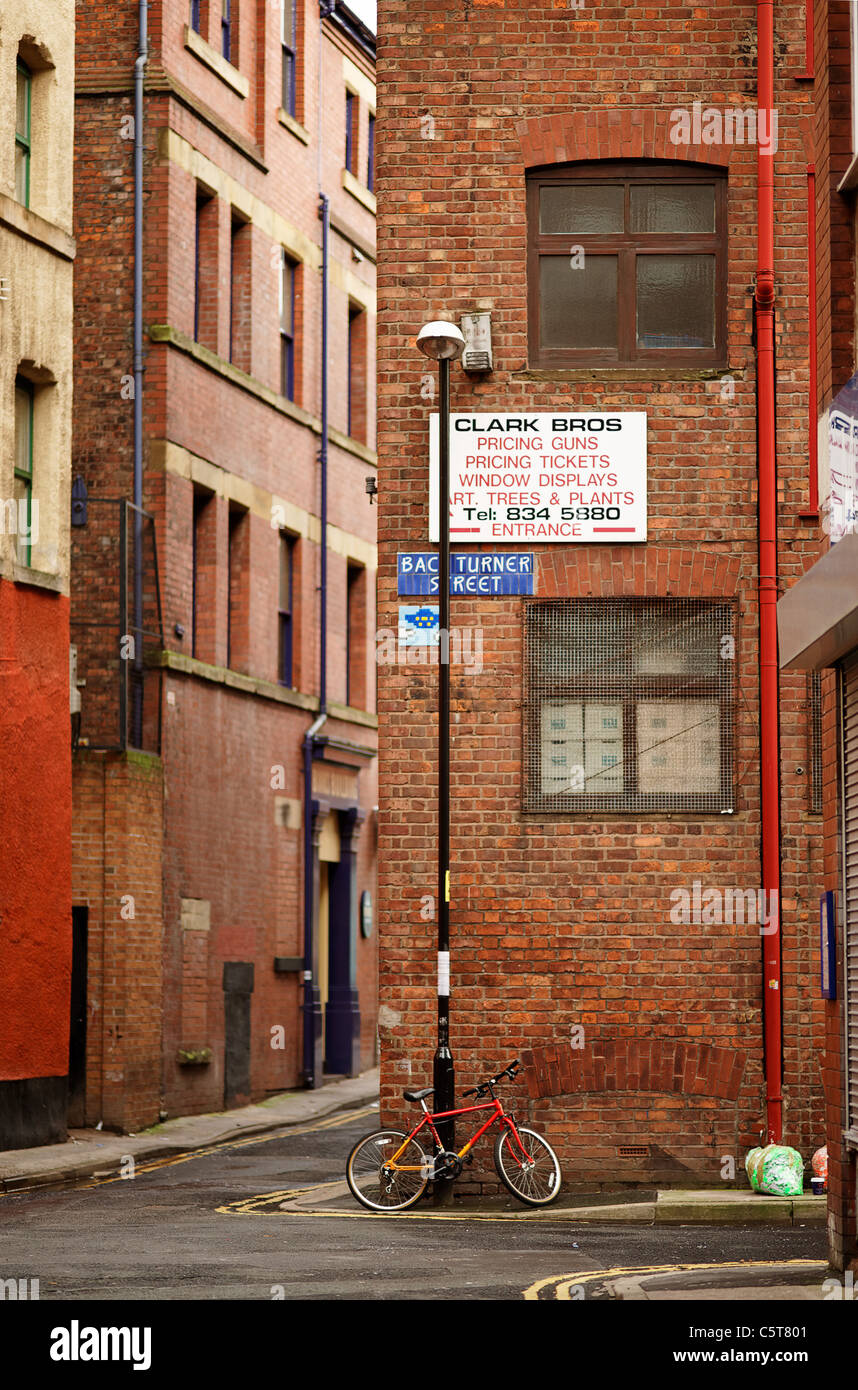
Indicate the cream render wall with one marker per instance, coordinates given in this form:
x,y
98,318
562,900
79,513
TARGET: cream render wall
x,y
36,266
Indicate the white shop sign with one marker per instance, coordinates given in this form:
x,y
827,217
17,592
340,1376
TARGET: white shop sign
x,y
840,507
565,476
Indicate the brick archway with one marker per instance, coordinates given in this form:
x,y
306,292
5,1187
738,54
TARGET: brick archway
x,y
625,133
635,1064
638,572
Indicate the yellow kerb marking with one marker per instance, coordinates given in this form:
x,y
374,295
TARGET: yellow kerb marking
x,y
565,1282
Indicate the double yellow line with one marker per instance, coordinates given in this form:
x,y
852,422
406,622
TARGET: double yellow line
x,y
283,1133
563,1283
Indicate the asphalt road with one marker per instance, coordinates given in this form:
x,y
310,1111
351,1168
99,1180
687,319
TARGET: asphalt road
x,y
194,1229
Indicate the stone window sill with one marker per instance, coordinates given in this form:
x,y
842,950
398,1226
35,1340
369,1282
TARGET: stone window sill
x,y
618,374
357,190
38,579
34,228
211,59
289,123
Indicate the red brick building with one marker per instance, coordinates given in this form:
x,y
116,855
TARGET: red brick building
x,y
818,615
36,263
607,790
223,584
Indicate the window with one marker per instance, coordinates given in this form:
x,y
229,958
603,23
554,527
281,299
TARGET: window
x,y
237,588
226,30
23,117
206,271
629,705
203,563
287,327
285,609
23,484
370,153
195,16
240,294
627,265
356,375
355,635
198,233
351,132
289,44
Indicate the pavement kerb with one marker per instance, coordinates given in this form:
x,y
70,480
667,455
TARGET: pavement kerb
x,y
798,1280
682,1208
335,1196
56,1165
685,1208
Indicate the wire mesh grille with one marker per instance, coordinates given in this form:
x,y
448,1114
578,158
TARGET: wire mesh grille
x,y
628,705
814,733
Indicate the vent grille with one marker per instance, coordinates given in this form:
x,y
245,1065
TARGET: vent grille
x,y
633,1151
814,734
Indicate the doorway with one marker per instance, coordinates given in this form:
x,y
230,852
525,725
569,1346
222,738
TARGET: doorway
x,y
77,1019
329,856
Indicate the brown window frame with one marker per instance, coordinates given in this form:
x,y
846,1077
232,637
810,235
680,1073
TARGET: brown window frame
x,y
626,246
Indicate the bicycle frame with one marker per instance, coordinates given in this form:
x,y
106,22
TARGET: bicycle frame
x,y
429,1117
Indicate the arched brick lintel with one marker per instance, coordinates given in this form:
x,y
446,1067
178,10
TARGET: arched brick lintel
x,y
627,133
637,572
633,1064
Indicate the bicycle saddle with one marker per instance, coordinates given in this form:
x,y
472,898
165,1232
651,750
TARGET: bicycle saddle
x,y
417,1095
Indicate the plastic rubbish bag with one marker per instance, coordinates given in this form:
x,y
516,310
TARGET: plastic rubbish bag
x,y
776,1170
819,1163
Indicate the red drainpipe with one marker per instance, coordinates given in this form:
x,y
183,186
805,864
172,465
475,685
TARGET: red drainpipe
x,y
764,306
812,512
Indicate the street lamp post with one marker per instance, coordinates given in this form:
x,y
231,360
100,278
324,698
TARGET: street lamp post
x,y
443,342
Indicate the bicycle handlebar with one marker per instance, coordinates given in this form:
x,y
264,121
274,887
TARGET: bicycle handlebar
x,y
485,1086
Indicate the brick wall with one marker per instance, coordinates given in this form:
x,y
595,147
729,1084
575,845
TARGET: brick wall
x,y
560,923
227,458
117,822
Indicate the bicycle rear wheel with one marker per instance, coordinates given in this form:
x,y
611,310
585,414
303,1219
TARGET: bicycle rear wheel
x,y
530,1170
378,1187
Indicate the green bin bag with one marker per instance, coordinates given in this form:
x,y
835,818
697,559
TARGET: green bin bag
x,y
776,1170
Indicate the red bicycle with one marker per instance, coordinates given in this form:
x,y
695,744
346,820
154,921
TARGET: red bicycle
x,y
389,1170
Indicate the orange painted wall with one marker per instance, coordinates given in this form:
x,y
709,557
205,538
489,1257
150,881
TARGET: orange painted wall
x,y
35,825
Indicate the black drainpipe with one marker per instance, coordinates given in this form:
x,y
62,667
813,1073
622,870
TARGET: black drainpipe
x,y
137,680
312,1001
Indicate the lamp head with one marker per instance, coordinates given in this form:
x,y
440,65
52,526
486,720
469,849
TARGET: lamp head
x,y
441,341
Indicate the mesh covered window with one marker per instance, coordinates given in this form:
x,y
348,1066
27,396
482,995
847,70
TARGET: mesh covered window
x,y
628,705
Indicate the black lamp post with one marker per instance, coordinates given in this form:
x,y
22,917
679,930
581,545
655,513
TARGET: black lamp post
x,y
443,342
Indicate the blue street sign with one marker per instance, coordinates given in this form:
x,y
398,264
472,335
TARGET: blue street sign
x,y
473,572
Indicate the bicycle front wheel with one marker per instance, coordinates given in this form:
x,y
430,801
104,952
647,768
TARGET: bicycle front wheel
x,y
528,1166
375,1183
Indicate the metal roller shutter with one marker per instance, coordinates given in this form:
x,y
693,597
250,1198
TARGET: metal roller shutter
x,y
850,881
